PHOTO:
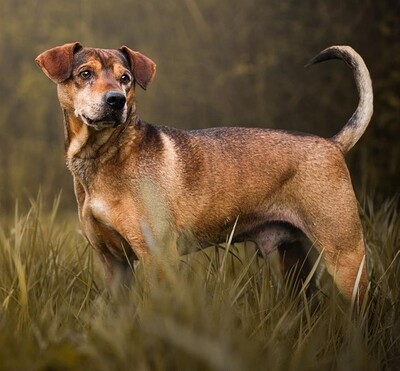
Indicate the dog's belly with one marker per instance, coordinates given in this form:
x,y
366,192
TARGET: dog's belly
x,y
270,235
267,237
268,230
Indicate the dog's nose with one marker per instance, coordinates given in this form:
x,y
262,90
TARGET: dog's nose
x,y
115,100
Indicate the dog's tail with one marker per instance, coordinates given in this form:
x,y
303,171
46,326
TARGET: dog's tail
x,y
359,121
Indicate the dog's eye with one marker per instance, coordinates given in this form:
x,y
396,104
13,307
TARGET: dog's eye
x,y
86,74
125,78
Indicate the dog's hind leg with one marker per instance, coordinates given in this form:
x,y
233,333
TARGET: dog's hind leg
x,y
345,260
334,227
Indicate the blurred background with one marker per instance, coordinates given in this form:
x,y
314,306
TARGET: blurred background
x,y
219,63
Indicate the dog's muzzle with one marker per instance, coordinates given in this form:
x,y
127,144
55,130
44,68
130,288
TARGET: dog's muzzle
x,y
112,114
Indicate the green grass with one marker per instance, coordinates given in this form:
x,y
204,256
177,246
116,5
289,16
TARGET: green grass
x,y
221,309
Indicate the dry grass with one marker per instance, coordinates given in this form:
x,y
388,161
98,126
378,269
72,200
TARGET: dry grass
x,y
222,309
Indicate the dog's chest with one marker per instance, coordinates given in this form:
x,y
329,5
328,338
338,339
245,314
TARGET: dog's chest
x,y
100,227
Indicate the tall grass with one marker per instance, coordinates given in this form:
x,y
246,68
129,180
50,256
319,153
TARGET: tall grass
x,y
220,309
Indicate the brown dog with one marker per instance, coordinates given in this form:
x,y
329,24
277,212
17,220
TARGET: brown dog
x,y
142,187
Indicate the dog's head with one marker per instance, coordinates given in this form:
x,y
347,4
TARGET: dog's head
x,y
97,85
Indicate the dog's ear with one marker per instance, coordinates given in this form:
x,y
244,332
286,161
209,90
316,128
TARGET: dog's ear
x,y
143,68
56,63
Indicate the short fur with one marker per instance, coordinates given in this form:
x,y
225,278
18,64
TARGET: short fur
x,y
142,187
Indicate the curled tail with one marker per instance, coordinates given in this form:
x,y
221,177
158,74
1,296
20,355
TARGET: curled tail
x,y
358,122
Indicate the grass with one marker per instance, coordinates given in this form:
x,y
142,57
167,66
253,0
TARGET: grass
x,y
221,309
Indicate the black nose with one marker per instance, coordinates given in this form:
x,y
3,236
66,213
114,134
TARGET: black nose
x,y
115,100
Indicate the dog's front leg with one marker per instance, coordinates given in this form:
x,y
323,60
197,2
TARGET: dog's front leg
x,y
117,271
155,249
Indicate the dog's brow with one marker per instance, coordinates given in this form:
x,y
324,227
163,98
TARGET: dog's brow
x,y
82,57
107,57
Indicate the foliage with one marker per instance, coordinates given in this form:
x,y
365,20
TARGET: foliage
x,y
219,63
223,309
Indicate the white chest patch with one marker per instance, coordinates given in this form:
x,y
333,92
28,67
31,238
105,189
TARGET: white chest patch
x,y
99,208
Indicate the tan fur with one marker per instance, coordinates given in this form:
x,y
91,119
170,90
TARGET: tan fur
x,y
140,187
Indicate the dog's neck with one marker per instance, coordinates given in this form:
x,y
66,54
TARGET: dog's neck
x,y
86,148
88,143
91,146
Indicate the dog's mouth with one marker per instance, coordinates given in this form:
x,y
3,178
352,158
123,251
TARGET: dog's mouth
x,y
106,122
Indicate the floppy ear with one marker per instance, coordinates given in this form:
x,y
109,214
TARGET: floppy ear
x,y
56,63
143,68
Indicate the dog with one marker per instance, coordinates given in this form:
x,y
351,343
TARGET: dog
x,y
141,187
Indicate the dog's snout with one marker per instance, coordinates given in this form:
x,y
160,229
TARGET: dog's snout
x,y
115,100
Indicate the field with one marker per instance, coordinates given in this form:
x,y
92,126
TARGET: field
x,y
221,309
